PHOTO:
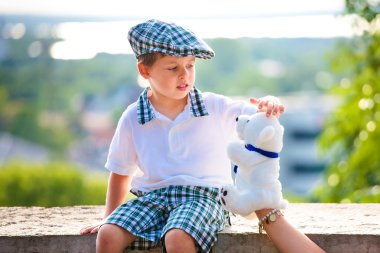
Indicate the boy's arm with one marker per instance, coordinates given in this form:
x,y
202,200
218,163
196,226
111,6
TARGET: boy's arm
x,y
117,190
287,238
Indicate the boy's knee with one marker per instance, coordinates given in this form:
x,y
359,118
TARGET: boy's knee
x,y
105,237
177,240
112,237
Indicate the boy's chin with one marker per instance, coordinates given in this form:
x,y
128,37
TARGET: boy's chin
x,y
182,97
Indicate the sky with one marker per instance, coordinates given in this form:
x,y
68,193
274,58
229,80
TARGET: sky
x,y
171,8
207,18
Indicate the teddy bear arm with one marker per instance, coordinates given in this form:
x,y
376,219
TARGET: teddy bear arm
x,y
237,153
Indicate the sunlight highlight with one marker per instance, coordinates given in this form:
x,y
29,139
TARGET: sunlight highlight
x,y
83,40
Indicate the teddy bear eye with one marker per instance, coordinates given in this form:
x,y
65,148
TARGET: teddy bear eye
x,y
247,120
237,119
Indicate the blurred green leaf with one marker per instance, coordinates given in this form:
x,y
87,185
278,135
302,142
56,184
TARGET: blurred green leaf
x,y
352,133
52,184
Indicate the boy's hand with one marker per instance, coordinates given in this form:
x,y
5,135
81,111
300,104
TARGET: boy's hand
x,y
269,104
91,229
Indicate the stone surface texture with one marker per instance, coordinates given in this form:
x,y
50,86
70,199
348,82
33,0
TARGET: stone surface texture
x,y
335,227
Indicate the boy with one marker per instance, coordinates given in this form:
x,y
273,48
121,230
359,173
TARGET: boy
x,y
170,149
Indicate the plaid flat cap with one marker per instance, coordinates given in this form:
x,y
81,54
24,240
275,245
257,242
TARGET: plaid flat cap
x,y
154,36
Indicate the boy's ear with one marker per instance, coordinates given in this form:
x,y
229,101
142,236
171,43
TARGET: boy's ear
x,y
143,70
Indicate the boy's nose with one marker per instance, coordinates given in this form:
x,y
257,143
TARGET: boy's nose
x,y
184,75
182,78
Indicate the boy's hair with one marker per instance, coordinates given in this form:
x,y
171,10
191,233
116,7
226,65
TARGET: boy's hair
x,y
149,59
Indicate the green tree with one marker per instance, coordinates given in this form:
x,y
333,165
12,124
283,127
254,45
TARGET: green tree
x,y
352,133
27,87
41,99
52,184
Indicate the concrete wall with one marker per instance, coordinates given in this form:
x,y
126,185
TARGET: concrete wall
x,y
336,228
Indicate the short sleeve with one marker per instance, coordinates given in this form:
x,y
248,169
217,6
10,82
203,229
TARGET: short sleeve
x,y
122,155
227,110
231,108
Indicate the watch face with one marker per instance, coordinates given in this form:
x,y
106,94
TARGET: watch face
x,y
272,217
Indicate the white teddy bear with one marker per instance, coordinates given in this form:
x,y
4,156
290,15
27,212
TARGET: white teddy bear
x,y
257,166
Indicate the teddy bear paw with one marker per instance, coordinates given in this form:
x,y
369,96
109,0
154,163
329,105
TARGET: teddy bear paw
x,y
223,193
227,196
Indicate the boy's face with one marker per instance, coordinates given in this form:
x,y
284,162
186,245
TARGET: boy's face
x,y
170,77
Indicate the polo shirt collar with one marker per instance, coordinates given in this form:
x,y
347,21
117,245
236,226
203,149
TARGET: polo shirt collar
x,y
145,111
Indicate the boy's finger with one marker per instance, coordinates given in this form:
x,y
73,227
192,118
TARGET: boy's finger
x,y
95,230
257,102
263,104
275,110
84,231
254,101
269,108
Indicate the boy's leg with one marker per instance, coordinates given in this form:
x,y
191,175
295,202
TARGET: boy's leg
x,y
112,238
143,217
196,213
177,240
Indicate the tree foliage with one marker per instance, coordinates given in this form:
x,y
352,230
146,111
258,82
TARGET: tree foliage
x,y
48,185
27,87
352,134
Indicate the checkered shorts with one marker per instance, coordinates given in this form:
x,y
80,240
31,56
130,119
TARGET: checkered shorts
x,y
193,209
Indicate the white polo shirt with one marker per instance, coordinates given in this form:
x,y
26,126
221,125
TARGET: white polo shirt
x,y
191,150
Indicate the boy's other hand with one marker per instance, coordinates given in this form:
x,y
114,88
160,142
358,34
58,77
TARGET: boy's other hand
x,y
269,104
91,229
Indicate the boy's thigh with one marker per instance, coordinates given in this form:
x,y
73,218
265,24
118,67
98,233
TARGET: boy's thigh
x,y
138,216
143,217
198,213
201,219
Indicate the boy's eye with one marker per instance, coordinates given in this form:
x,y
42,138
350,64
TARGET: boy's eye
x,y
190,66
172,68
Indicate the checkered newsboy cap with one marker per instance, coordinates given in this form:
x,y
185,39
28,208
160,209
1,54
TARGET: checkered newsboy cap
x,y
154,36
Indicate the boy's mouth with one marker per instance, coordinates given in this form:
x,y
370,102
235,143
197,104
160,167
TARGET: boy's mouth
x,y
182,87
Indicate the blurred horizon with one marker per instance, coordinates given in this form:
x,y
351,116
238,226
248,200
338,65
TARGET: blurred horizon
x,y
84,32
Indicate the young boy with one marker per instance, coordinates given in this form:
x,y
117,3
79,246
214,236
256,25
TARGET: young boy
x,y
169,149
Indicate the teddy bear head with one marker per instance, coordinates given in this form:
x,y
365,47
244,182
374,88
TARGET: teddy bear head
x,y
260,131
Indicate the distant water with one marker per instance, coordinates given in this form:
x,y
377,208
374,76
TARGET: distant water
x,y
83,40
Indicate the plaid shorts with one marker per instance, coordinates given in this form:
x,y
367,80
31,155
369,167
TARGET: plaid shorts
x,y
193,209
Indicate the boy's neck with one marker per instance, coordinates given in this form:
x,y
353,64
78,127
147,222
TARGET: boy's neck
x,y
171,108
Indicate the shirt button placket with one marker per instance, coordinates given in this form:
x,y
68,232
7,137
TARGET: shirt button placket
x,y
174,140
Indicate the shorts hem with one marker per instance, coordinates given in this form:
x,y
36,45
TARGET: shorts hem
x,y
138,236
191,233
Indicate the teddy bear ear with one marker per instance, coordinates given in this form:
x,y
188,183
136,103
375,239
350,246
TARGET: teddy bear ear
x,y
267,133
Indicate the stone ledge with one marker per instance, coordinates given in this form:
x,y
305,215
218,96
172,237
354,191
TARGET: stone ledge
x,y
334,227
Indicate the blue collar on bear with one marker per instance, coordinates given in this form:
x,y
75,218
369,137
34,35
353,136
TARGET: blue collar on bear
x,y
269,154
250,147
